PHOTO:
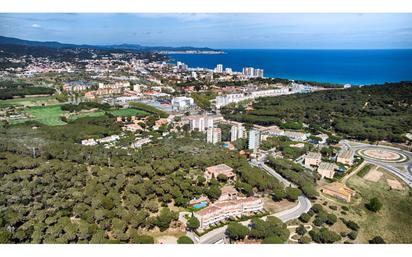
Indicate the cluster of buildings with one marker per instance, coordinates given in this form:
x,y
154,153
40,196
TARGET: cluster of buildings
x,y
224,100
182,103
76,86
230,204
328,169
105,140
251,72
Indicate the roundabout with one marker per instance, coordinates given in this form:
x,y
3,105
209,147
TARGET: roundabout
x,y
394,160
382,154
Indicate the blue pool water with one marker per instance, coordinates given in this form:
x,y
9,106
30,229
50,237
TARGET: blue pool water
x,y
357,67
200,205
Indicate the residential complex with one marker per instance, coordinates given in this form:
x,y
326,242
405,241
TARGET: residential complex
x,y
327,169
182,103
254,139
345,157
237,131
222,210
214,135
214,171
312,158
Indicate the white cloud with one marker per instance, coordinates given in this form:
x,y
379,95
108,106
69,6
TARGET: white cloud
x,y
35,25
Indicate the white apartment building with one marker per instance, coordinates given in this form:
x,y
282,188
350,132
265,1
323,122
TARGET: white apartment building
x,y
258,73
235,98
228,99
182,103
214,135
219,68
200,123
237,131
254,139
296,136
248,71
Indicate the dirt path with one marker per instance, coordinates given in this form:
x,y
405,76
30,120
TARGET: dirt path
x,y
344,179
307,226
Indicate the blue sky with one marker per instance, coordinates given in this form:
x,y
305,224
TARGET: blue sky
x,y
273,31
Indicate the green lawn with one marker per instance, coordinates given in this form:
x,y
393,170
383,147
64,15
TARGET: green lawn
x,y
120,112
89,114
393,222
30,101
127,112
48,115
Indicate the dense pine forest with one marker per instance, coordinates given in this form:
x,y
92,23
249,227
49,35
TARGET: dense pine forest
x,y
54,190
380,112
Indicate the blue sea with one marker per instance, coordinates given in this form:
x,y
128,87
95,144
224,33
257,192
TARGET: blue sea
x,y
356,67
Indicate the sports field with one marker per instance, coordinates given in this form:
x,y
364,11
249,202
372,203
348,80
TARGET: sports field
x,y
48,115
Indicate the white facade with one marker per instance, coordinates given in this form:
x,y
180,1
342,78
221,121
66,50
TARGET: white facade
x,y
254,139
235,98
214,135
219,68
222,210
182,103
236,132
258,73
248,71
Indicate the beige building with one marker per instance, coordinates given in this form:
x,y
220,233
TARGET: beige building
x,y
339,191
222,210
313,158
327,169
345,157
228,193
214,171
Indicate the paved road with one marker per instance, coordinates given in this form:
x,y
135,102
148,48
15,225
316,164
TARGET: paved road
x,y
218,235
392,167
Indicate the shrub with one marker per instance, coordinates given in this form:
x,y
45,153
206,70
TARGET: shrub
x,y
304,217
301,230
377,240
351,224
374,205
333,207
184,240
317,208
304,240
273,240
331,219
353,235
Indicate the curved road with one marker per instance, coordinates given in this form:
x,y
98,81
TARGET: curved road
x,y
392,167
218,235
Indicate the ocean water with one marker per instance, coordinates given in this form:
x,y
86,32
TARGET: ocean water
x,y
357,67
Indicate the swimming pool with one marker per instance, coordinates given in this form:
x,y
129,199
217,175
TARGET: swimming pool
x,y
200,205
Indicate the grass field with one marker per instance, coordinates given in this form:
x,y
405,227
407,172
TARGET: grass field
x,y
89,114
48,115
120,112
127,112
393,222
30,101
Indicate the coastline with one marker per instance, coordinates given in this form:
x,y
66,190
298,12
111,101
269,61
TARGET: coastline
x,y
355,67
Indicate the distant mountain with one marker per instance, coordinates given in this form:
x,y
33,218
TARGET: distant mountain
x,y
136,47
